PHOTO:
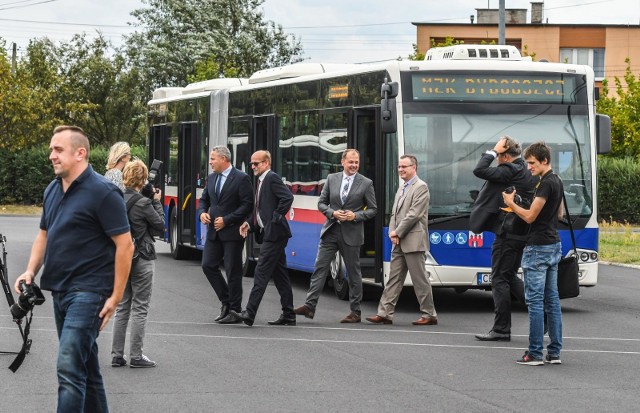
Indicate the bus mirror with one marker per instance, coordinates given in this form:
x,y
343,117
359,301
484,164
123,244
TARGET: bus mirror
x,y
603,133
388,92
388,118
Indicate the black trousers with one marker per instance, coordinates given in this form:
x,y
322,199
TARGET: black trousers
x,y
272,264
506,255
216,253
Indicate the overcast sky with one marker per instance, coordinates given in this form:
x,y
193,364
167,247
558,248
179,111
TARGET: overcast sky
x,y
344,31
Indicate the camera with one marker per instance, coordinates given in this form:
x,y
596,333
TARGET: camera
x,y
30,296
148,190
517,198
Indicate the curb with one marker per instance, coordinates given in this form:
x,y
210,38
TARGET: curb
x,y
619,264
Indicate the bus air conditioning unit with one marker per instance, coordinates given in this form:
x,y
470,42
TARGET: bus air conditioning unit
x,y
474,52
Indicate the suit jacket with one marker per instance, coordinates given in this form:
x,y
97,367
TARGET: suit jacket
x,y
273,206
484,215
409,216
234,204
361,200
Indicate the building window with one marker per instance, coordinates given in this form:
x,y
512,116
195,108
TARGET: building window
x,y
590,57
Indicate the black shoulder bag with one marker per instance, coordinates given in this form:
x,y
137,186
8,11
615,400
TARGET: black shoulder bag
x,y
568,271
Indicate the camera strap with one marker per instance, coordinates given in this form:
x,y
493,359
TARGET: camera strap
x,y
26,345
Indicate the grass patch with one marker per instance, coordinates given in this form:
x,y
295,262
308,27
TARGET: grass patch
x,y
619,242
20,210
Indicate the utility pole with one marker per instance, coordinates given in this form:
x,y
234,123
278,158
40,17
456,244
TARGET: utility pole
x,y
13,58
501,18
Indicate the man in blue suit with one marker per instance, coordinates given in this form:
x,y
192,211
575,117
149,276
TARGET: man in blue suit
x,y
225,203
269,223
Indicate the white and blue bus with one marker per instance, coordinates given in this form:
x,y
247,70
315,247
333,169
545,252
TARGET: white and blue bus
x,y
446,110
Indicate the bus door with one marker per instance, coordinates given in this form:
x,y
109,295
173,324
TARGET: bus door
x,y
262,136
158,148
188,169
365,136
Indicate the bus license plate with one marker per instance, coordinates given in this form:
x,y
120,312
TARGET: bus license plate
x,y
484,278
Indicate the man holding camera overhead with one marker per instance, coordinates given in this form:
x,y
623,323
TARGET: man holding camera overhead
x,y
85,248
506,252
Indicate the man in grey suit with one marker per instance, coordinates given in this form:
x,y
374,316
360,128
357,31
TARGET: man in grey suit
x,y
408,234
347,200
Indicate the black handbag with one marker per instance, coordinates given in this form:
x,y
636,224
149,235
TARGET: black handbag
x,y
568,270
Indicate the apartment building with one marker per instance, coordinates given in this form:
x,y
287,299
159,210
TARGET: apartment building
x,y
603,47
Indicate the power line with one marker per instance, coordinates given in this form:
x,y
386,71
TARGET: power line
x,y
27,5
66,24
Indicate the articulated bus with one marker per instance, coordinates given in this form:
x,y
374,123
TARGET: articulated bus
x,y
446,110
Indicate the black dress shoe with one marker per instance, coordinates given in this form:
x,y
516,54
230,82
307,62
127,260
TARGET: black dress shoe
x,y
245,318
493,336
231,318
282,321
224,311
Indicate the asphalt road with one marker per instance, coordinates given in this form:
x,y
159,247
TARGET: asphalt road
x,y
322,365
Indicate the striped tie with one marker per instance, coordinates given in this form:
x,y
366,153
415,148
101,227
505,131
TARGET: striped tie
x,y
345,189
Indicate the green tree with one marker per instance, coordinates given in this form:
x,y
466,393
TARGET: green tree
x,y
182,40
101,92
29,103
624,109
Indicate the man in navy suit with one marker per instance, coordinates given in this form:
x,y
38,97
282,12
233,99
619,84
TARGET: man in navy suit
x,y
225,203
269,223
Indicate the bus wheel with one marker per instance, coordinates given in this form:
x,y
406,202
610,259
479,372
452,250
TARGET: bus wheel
x,y
178,252
248,265
339,277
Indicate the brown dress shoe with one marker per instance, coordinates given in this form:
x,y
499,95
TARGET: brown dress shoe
x,y
376,319
353,317
426,321
305,311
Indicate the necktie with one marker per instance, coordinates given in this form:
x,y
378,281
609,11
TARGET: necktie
x,y
256,204
345,189
218,182
404,188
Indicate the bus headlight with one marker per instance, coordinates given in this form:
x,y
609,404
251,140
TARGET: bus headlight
x,y
585,256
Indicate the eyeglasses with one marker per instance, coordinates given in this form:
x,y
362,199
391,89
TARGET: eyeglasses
x,y
256,163
405,166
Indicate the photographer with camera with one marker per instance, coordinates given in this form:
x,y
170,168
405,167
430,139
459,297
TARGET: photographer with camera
x,y
146,217
84,248
506,251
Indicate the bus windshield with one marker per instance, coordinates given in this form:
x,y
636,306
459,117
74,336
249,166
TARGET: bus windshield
x,y
449,142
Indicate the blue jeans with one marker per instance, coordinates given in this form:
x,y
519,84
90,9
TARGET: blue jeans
x,y
80,386
540,266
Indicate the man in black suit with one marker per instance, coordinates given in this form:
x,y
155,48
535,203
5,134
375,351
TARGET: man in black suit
x,y
224,205
506,251
269,223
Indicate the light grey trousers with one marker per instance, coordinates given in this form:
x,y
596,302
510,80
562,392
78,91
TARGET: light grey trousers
x,y
402,262
135,305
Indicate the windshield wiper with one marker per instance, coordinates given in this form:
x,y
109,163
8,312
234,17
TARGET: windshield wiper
x,y
447,219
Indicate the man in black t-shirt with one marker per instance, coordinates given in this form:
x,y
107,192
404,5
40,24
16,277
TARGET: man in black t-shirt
x,y
541,257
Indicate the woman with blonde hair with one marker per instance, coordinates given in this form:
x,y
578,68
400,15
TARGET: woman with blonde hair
x,y
119,156
146,217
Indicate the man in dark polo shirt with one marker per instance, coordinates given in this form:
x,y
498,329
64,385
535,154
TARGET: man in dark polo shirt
x,y
84,247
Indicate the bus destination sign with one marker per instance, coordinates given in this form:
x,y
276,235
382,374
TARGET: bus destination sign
x,y
557,89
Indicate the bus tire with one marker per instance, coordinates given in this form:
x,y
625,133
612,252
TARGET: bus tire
x,y
339,277
248,264
178,252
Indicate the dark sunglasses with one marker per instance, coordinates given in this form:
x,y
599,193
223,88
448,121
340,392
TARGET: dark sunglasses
x,y
256,163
